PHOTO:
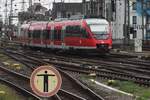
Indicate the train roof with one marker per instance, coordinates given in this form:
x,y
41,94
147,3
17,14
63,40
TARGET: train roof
x,y
43,24
88,21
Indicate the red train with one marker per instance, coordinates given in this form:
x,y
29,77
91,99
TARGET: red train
x,y
84,34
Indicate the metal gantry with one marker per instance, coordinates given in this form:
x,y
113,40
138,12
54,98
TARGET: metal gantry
x,y
6,20
11,12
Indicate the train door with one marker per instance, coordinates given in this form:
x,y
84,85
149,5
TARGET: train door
x,y
46,37
52,36
26,36
63,37
57,36
85,37
36,37
30,33
21,38
73,36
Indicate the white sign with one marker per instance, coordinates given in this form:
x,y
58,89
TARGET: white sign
x,y
138,45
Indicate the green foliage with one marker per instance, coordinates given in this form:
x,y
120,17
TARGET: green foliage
x,y
8,94
142,93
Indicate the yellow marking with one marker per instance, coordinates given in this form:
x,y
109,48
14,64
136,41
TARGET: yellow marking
x,y
92,74
6,63
18,68
2,92
111,82
16,65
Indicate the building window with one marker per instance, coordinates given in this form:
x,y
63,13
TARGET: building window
x,y
134,20
148,20
148,4
134,6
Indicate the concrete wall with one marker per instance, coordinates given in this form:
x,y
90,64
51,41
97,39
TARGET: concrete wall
x,y
119,20
117,24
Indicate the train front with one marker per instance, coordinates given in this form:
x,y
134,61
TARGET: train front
x,y
101,34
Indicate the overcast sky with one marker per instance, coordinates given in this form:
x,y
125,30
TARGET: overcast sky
x,y
17,5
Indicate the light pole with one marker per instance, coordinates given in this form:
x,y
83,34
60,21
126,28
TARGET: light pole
x,y
6,21
23,5
30,3
11,12
84,7
125,22
142,2
128,33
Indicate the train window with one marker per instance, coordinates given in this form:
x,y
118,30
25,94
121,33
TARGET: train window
x,y
84,33
73,31
46,34
36,34
57,34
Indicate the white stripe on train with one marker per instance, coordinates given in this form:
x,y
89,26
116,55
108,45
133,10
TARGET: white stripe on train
x,y
60,46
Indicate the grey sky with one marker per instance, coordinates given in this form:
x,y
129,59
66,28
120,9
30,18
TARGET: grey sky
x,y
17,6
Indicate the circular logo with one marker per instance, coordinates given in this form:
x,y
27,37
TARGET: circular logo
x,y
45,81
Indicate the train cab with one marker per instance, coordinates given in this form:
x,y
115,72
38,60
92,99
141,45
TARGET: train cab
x,y
100,31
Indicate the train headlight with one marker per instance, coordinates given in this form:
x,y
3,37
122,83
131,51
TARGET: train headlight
x,y
102,42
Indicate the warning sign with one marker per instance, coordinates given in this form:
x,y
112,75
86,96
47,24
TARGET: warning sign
x,y
45,81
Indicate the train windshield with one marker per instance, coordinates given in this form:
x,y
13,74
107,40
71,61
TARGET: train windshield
x,y
99,28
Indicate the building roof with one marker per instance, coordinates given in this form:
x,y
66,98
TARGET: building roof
x,y
36,7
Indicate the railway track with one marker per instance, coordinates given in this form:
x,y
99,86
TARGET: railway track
x,y
17,81
56,97
21,84
81,92
104,69
91,58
